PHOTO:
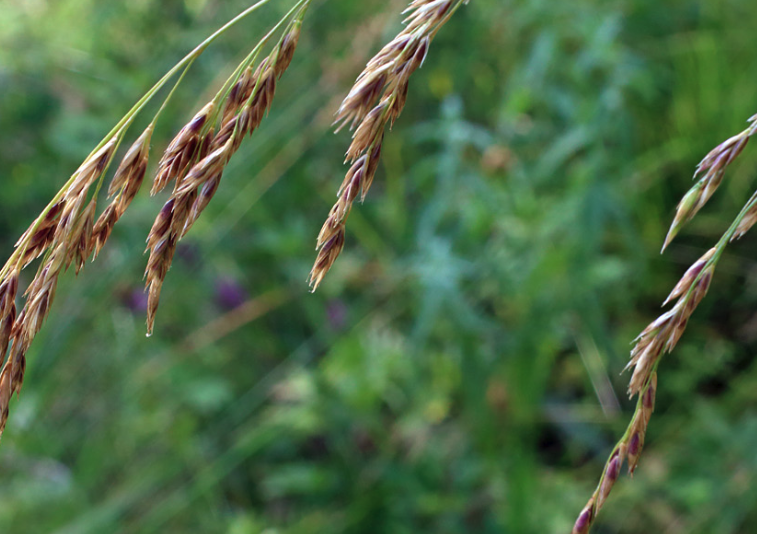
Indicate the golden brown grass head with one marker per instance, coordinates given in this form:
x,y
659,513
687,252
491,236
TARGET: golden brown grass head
x,y
376,100
68,230
203,156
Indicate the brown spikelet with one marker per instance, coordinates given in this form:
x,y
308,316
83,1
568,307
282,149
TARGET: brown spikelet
x,y
49,220
238,94
746,219
158,264
225,134
585,519
102,228
369,130
133,165
201,201
68,218
124,186
80,240
161,242
640,423
8,290
5,395
17,361
286,49
180,153
39,296
153,299
91,169
361,97
610,477
209,169
37,239
330,245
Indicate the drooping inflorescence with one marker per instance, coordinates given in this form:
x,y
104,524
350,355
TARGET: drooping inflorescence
x,y
662,334
203,154
68,230
385,79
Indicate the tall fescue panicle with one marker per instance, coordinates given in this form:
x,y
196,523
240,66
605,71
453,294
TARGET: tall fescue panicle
x,y
662,335
203,156
385,78
67,231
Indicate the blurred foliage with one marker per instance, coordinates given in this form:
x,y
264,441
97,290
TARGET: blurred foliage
x,y
459,369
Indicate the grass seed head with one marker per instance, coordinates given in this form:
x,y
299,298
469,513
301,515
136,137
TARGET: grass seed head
x,y
385,78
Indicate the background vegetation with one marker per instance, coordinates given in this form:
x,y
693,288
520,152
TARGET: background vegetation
x,y
459,369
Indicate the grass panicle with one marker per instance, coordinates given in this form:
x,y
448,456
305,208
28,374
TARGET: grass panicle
x,y
662,334
385,79
68,231
204,155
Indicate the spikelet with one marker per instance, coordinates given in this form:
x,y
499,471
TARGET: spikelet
x,y
711,169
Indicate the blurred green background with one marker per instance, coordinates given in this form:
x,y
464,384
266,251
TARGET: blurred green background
x,y
459,369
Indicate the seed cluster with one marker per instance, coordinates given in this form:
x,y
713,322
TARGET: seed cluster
x,y
63,235
662,335
385,79
68,231
196,158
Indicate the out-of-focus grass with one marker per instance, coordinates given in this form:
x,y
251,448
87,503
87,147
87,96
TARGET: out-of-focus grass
x,y
458,371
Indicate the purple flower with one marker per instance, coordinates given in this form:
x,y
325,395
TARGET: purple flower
x,y
230,293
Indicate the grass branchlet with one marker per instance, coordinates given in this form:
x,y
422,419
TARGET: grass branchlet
x,y
385,79
663,334
204,154
711,169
